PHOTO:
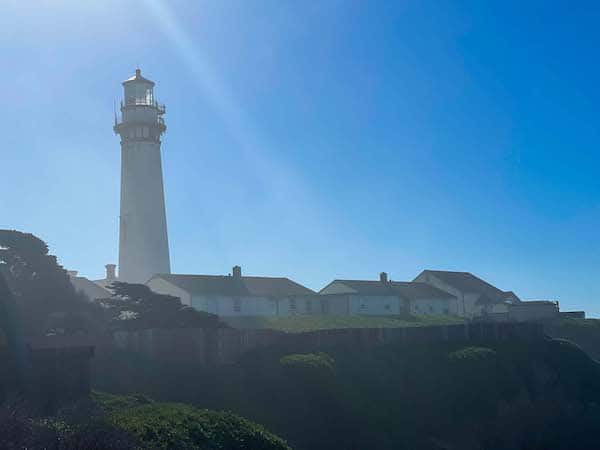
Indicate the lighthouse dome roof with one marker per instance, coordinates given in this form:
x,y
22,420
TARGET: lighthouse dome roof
x,y
138,78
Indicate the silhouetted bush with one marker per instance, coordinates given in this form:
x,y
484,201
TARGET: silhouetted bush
x,y
176,426
137,307
40,286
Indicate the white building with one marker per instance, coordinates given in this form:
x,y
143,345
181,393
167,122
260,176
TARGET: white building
x,y
237,295
143,242
385,297
526,311
475,297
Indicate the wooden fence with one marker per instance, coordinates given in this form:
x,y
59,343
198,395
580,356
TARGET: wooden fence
x,y
226,345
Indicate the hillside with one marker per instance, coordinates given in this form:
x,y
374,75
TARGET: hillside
x,y
131,422
583,332
497,396
168,426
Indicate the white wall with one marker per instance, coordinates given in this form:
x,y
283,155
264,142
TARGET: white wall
x,y
471,306
241,306
500,308
235,306
304,305
335,305
143,242
375,305
465,303
434,306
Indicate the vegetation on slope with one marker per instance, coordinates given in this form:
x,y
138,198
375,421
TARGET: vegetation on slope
x,y
177,426
302,323
493,395
132,422
584,332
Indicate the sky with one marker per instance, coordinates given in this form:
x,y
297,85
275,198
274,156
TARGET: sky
x,y
318,139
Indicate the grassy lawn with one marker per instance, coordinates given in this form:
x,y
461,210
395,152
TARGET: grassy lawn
x,y
299,324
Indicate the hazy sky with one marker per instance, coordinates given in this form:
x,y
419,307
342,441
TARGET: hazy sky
x,y
318,139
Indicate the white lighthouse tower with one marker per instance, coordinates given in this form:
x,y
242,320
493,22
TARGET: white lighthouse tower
x,y
143,241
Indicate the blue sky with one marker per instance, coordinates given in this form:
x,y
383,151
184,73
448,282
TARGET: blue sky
x,y
318,139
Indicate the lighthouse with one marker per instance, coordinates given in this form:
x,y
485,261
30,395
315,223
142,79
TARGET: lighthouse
x,y
143,240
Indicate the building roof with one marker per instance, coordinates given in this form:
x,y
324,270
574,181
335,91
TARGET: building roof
x,y
138,78
467,282
410,290
236,286
510,296
364,287
91,289
415,290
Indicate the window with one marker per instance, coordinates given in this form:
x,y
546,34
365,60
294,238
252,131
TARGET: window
x,y
387,307
237,305
308,306
292,306
430,308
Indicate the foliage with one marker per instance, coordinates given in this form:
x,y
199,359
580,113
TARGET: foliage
x,y
19,430
472,354
314,370
303,323
136,306
11,336
112,422
505,395
312,361
176,426
39,284
110,403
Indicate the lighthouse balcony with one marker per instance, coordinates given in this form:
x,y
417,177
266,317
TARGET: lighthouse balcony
x,y
133,101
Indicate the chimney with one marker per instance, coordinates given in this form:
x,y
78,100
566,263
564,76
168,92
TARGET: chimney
x,y
237,272
383,277
111,272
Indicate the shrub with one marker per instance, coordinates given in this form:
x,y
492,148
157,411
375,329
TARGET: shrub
x,y
472,354
312,361
177,426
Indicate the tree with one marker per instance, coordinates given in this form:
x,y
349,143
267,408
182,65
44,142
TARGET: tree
x,y
40,286
10,326
136,306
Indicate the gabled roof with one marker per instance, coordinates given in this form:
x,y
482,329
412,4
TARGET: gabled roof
x,y
364,287
467,282
511,297
414,290
235,286
410,290
91,289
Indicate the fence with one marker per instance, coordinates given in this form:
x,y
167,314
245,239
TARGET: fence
x,y
226,345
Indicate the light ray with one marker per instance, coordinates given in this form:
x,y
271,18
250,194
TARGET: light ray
x,y
214,90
